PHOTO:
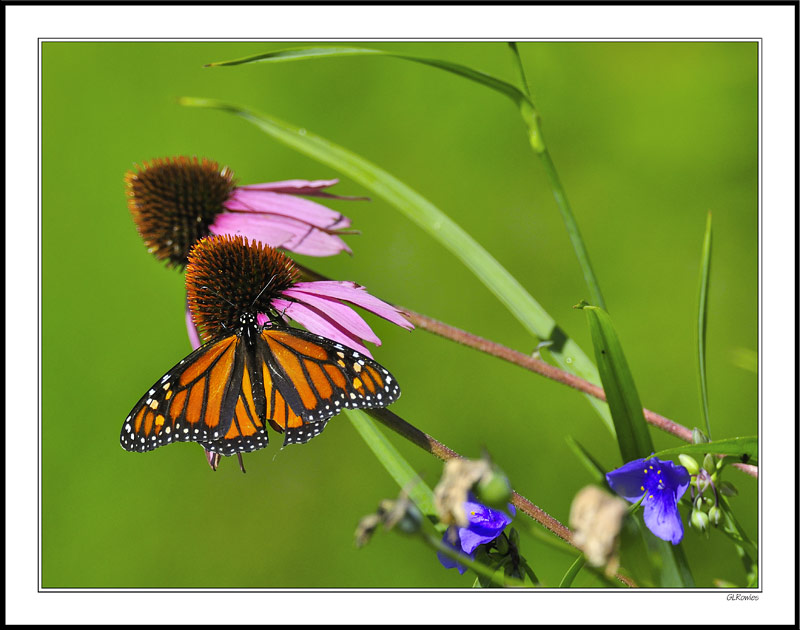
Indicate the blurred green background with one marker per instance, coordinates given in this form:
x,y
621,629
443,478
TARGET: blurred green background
x,y
648,138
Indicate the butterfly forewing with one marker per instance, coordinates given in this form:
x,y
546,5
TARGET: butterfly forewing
x,y
195,401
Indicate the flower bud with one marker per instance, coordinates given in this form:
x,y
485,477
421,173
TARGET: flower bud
x,y
501,544
494,489
699,520
689,463
698,437
714,515
709,463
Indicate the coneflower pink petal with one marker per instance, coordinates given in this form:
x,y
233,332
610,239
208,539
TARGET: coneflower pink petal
x,y
243,200
341,313
320,324
356,294
279,231
294,186
194,338
263,318
304,187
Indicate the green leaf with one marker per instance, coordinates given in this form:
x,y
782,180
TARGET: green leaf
x,y
566,353
731,527
654,561
675,569
395,464
732,446
569,576
623,399
299,54
702,315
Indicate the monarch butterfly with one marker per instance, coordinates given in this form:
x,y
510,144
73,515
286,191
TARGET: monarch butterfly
x,y
223,394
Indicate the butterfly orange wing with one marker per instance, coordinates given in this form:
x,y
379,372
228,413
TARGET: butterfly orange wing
x,y
204,398
308,379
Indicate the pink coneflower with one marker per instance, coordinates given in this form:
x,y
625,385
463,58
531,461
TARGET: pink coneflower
x,y
227,272
175,202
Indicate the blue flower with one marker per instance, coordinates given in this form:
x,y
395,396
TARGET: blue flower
x,y
485,524
660,485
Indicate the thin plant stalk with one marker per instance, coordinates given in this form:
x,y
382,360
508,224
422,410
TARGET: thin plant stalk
x,y
533,120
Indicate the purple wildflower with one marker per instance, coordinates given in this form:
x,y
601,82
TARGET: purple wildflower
x,y
660,485
485,524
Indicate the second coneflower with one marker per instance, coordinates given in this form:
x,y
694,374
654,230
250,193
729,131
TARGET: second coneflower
x,y
175,202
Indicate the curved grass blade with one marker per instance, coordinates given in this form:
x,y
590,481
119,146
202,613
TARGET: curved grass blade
x,y
573,570
747,446
298,54
497,279
705,272
394,463
623,399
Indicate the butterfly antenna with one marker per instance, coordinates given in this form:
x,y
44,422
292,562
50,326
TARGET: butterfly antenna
x,y
260,293
221,297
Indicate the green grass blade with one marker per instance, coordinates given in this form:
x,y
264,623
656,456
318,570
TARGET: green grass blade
x,y
497,279
623,399
705,272
394,463
573,570
674,570
732,446
298,54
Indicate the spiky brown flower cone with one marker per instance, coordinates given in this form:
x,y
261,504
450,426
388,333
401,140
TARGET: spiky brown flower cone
x,y
227,276
174,201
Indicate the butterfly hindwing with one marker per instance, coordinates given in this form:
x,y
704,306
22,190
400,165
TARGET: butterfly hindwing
x,y
246,431
316,378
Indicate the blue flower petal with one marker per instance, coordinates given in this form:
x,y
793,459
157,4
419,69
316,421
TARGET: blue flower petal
x,y
675,477
446,561
627,481
470,539
662,517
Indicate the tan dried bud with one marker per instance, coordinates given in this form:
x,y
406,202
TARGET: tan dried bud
x,y
451,492
596,519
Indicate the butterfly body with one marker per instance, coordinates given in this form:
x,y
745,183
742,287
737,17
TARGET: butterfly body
x,y
225,393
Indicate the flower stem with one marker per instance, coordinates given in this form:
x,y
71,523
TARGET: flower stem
x,y
517,358
545,369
